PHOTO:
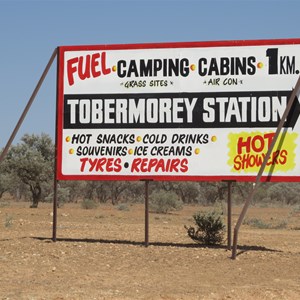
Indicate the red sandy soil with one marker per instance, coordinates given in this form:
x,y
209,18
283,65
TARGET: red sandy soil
x,y
100,254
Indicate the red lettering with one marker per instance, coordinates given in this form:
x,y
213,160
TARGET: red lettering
x,y
256,143
93,163
95,64
135,165
174,165
269,137
105,70
246,161
241,144
283,157
144,167
71,69
275,156
261,143
152,164
159,165
84,74
83,162
86,66
117,164
237,164
100,163
184,165
109,165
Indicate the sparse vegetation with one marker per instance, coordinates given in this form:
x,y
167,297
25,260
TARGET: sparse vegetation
x,y
8,221
256,223
107,240
4,204
295,209
260,224
31,162
89,204
123,207
163,202
209,230
63,194
27,174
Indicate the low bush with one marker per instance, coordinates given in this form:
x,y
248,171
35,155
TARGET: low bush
x,y
260,224
63,195
163,202
88,204
257,223
209,230
8,221
123,207
4,204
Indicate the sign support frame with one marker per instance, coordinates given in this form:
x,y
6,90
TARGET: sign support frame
x,y
229,208
19,123
257,178
146,242
70,98
229,213
262,167
28,105
55,183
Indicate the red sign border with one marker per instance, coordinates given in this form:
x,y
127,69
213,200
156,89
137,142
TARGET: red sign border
x,y
60,96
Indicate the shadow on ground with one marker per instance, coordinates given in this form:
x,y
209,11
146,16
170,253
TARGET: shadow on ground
x,y
241,248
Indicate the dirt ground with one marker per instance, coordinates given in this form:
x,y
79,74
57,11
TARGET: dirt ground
x,y
100,254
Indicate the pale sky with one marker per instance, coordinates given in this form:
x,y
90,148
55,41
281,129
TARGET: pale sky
x,y
31,30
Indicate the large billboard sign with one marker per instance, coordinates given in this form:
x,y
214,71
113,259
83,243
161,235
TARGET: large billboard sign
x,y
177,111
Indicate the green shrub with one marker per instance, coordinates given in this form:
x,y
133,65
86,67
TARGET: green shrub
x,y
4,204
209,230
163,202
257,223
63,195
260,224
8,221
123,207
88,204
295,209
281,225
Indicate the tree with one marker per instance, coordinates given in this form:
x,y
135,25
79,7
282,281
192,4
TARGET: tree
x,y
285,193
209,192
188,191
135,192
76,189
163,201
32,161
116,189
5,180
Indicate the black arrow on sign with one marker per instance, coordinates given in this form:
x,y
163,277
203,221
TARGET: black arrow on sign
x,y
293,115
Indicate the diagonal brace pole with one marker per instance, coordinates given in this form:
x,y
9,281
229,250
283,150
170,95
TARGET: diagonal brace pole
x,y
30,101
262,167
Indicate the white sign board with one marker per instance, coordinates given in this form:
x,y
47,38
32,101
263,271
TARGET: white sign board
x,y
179,111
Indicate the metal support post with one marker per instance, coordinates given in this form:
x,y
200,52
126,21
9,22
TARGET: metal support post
x,y
54,210
229,212
30,101
262,167
55,202
146,213
229,183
